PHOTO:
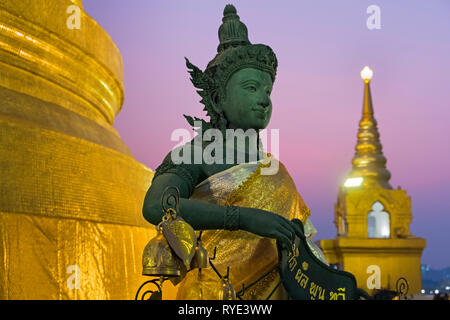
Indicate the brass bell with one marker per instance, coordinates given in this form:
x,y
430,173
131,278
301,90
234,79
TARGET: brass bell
x,y
158,258
228,292
200,259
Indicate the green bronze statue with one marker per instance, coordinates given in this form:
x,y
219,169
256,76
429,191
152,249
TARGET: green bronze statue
x,y
241,211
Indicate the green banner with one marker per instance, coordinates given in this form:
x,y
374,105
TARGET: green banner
x,y
305,277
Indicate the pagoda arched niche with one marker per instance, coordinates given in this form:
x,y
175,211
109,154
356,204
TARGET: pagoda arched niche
x,y
378,221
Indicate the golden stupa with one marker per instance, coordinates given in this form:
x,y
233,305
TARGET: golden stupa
x,y
372,219
71,224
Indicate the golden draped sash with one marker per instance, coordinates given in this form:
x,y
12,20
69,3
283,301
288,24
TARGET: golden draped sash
x,y
249,256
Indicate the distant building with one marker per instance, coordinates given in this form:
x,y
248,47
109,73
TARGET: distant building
x,y
435,281
374,241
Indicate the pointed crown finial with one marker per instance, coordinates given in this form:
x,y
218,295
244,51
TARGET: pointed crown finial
x,y
232,32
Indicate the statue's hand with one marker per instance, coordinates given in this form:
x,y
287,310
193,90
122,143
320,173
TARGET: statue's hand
x,y
270,225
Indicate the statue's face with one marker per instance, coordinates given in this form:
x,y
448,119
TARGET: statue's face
x,y
247,103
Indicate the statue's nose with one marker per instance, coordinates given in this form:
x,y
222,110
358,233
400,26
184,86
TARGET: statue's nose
x,y
264,102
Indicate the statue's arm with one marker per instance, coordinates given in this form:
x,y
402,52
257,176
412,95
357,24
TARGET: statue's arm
x,y
203,216
200,215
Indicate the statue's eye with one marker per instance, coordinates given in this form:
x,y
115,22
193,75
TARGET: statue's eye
x,y
251,88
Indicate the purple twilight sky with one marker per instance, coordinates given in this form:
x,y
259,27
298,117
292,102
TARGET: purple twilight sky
x,y
321,47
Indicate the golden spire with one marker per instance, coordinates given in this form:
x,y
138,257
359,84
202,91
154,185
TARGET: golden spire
x,y
369,162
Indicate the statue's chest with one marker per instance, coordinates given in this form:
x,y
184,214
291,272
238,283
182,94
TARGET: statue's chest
x,y
212,169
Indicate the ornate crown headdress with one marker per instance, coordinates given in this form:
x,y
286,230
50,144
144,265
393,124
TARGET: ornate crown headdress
x,y
234,52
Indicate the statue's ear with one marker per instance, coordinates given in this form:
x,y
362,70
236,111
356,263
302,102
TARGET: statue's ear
x,y
215,101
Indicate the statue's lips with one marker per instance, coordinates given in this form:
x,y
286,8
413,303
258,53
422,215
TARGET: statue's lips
x,y
261,112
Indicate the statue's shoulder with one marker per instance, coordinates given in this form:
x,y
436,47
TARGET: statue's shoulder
x,y
181,162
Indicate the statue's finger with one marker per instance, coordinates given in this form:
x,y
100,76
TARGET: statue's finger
x,y
285,241
298,229
298,225
289,226
287,231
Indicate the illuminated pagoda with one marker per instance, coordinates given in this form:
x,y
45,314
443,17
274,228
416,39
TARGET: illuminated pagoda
x,y
372,219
